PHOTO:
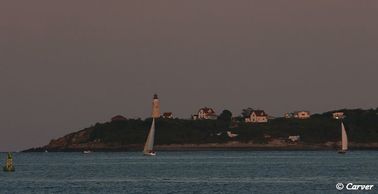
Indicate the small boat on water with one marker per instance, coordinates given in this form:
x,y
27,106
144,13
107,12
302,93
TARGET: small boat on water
x,y
9,164
87,152
344,140
149,146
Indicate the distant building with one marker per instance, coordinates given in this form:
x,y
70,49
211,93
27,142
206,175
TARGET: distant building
x,y
168,115
338,115
205,113
302,114
267,136
298,115
257,116
118,118
231,135
289,115
294,138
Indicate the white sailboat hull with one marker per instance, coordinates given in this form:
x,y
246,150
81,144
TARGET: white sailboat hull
x,y
150,154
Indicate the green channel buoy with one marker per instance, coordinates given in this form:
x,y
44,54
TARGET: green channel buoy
x,y
9,164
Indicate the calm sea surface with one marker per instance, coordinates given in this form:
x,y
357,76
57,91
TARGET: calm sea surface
x,y
190,172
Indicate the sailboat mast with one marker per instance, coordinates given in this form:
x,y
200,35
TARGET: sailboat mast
x,y
150,138
344,138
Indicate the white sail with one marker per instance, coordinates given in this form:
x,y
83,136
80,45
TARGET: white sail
x,y
148,147
344,138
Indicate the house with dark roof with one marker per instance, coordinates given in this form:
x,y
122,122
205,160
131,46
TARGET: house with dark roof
x,y
205,113
168,115
298,115
257,116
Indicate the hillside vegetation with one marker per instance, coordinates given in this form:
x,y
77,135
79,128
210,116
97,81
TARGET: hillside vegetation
x,y
362,127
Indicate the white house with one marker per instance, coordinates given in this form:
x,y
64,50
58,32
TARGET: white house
x,y
231,135
289,115
301,114
338,115
294,138
205,113
257,116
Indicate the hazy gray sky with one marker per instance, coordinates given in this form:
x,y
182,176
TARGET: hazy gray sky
x,y
65,65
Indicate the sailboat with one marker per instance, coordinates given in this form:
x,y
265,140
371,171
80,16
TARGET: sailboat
x,y
344,140
149,146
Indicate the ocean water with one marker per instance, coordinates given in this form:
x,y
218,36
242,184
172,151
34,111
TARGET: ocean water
x,y
190,172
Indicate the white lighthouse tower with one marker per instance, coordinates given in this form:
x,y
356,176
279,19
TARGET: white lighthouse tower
x,y
155,107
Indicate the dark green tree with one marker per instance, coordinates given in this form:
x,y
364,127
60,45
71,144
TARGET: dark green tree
x,y
225,119
226,116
